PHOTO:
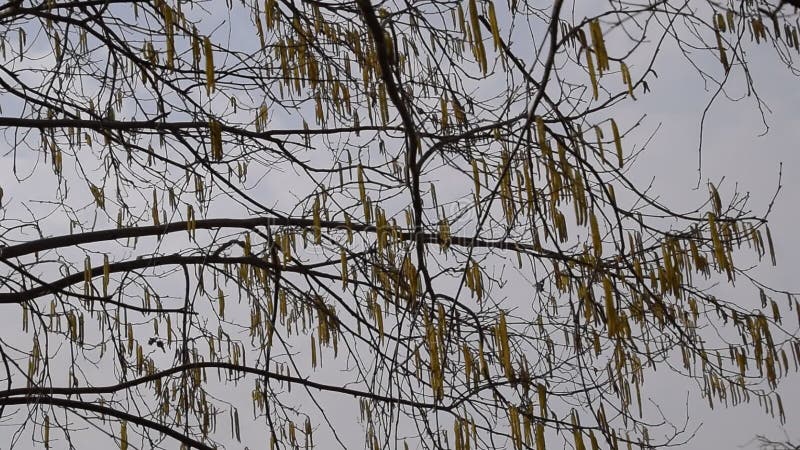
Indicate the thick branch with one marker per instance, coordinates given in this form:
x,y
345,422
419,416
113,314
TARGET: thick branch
x,y
40,245
155,125
104,410
26,393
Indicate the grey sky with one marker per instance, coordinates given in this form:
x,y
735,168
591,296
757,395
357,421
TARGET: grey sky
x,y
732,149
736,148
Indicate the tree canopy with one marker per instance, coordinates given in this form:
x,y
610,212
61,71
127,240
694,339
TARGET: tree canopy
x,y
290,224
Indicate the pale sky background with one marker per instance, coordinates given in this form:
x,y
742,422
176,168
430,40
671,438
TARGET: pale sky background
x,y
735,148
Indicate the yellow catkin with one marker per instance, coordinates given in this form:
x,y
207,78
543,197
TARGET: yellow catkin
x,y
599,45
362,190
541,132
771,246
190,220
154,209
479,49
215,130
317,222
99,196
719,249
123,436
719,22
106,275
46,431
476,277
593,440
495,28
221,303
723,56
540,436
445,121
349,226
576,433
343,258
600,149
170,36
474,22
444,233
505,348
476,179
617,142
611,309
597,243
592,74
320,112
541,392
209,55
626,78
313,353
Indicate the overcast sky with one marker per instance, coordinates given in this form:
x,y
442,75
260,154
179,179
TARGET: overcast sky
x,y
734,147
